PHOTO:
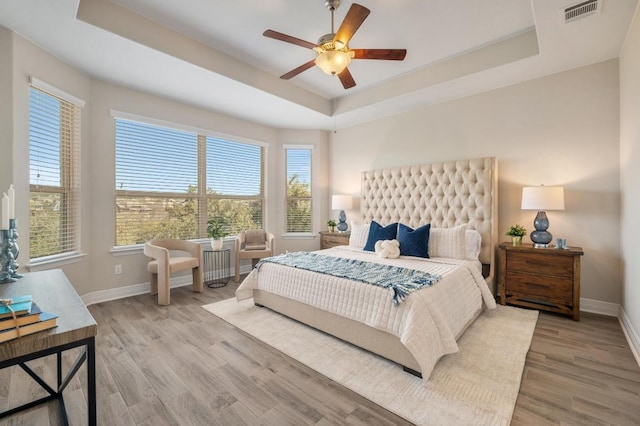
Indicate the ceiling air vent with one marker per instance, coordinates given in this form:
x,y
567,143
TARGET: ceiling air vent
x,y
581,10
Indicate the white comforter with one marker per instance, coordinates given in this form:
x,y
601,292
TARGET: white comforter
x,y
428,322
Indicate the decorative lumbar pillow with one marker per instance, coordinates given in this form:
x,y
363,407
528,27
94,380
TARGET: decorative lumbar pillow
x,y
448,242
378,232
359,234
472,244
414,242
388,249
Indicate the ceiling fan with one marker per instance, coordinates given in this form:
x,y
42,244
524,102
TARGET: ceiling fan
x,y
334,54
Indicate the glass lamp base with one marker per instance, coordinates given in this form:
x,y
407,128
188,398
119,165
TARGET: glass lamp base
x,y
342,222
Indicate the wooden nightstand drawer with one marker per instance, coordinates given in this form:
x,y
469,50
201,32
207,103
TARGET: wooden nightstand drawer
x,y
547,287
540,264
332,239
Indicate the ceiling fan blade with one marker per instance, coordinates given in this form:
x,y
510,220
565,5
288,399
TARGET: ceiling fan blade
x,y
288,39
386,54
298,70
355,17
346,79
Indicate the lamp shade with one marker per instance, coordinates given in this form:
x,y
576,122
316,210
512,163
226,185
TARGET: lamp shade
x,y
341,202
542,198
333,62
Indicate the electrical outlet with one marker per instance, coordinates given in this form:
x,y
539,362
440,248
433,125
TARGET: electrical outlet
x,y
118,270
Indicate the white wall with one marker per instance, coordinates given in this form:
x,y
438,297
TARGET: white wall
x,y
6,109
630,173
557,130
94,271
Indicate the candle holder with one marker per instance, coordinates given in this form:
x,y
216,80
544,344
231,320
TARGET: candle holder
x,y
15,250
6,257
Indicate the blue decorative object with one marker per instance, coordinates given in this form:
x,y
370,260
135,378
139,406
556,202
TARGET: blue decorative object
x,y
15,250
342,203
6,257
414,242
342,222
542,198
378,232
541,236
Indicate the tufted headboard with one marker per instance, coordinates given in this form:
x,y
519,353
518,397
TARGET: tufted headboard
x,y
443,194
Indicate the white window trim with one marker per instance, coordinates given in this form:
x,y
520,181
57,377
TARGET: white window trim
x,y
61,259
55,261
53,90
184,127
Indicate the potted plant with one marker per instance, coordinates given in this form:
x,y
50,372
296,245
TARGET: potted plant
x,y
332,225
216,231
516,232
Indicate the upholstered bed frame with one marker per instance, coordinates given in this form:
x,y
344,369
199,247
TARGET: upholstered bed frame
x,y
444,194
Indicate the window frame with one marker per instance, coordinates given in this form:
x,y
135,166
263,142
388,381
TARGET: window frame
x,y
285,149
69,169
201,196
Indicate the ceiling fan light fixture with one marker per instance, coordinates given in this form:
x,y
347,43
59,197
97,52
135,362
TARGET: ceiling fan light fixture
x,y
333,62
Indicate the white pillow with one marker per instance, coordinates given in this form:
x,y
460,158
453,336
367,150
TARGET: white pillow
x,y
359,235
472,244
448,242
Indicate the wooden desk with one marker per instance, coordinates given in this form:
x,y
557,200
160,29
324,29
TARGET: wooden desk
x,y
53,293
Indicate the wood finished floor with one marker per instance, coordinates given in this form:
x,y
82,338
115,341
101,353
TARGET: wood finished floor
x,y
180,365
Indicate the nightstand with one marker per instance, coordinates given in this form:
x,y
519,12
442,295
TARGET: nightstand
x,y
332,239
547,279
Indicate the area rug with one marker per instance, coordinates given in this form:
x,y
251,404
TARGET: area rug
x,y
478,385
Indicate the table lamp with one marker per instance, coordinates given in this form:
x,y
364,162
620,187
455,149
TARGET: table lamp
x,y
342,203
542,198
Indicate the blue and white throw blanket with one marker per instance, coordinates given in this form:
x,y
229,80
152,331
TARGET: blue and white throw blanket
x,y
401,280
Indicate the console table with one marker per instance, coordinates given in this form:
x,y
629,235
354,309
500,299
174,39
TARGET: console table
x,y
53,293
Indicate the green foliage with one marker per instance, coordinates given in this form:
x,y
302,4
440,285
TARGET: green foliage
x,y
298,205
215,228
516,231
45,220
139,219
331,222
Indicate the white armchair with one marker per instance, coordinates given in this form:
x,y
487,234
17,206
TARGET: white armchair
x,y
253,244
164,264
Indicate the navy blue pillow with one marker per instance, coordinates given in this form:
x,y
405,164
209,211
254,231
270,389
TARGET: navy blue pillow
x,y
414,242
377,232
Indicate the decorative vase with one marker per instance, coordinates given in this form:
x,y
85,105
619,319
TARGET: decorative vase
x,y
516,240
332,229
6,257
216,244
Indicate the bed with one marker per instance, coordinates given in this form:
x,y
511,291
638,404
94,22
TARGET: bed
x,y
459,200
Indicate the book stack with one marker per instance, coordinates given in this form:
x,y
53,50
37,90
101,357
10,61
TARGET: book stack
x,y
28,318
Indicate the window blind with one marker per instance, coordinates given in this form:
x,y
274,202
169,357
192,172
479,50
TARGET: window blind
x,y
298,190
234,179
156,183
170,182
54,175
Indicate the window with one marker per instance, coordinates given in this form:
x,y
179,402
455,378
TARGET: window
x,y
54,173
234,184
298,189
170,182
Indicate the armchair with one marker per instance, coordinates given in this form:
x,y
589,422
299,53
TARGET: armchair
x,y
253,244
164,264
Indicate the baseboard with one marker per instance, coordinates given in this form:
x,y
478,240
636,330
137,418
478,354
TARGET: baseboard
x,y
136,289
630,333
599,307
